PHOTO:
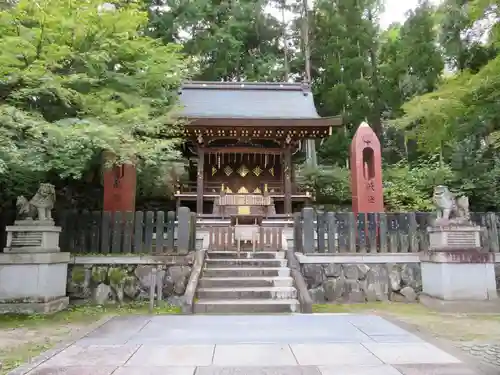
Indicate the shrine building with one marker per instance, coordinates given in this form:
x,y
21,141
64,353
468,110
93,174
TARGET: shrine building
x,y
241,143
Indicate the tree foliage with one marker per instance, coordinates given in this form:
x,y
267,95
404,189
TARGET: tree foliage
x,y
78,79
226,40
459,120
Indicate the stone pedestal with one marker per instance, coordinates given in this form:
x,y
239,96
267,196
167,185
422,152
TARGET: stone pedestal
x,y
33,271
32,236
455,268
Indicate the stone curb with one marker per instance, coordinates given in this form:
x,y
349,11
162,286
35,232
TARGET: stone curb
x,y
472,362
45,356
192,285
305,299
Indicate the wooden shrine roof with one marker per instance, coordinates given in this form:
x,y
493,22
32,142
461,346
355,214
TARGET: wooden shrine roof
x,y
250,104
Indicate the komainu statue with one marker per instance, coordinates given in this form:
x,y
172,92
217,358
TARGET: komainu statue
x,y
40,206
449,208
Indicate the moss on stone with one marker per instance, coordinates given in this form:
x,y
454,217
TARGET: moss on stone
x,y
99,274
78,274
129,280
116,275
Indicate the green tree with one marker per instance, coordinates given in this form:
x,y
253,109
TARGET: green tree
x,y
420,50
459,121
342,73
459,38
344,43
79,78
226,40
410,61
393,68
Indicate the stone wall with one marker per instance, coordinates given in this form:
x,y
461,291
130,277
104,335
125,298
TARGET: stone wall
x,y
121,283
357,283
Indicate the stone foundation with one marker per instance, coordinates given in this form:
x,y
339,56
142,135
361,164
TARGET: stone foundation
x,y
123,283
33,283
358,283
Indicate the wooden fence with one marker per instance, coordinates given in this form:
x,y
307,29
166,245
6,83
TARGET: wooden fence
x,y
159,232
345,232
98,232
224,238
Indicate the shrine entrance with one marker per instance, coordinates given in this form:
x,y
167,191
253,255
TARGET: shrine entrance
x,y
245,177
244,173
241,139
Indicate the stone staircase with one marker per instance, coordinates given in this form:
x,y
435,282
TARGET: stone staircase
x,y
254,282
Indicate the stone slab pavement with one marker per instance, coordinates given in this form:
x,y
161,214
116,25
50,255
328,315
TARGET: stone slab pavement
x,y
295,344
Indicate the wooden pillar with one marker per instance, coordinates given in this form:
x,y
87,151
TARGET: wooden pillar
x,y
287,174
199,180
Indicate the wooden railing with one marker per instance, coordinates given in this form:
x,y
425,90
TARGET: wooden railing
x,y
226,238
274,188
274,217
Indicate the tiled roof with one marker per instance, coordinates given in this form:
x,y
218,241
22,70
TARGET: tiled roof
x,y
247,100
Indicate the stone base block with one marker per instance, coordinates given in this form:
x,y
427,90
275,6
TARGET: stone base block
x,y
27,308
459,281
461,307
28,278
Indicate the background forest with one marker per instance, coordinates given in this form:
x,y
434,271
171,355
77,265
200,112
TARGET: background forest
x,y
80,77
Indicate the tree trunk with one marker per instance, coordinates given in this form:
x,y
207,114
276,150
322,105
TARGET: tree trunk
x,y
305,38
285,40
377,113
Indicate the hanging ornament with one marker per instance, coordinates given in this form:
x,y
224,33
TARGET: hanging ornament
x,y
266,157
218,161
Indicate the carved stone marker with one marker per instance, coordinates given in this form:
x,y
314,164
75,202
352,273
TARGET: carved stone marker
x,y
33,271
366,171
455,268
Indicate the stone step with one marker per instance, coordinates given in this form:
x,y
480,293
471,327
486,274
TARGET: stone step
x,y
275,293
246,255
246,306
220,263
246,271
235,282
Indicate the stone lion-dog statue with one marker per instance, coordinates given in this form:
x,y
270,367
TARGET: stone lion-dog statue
x,y
449,207
40,206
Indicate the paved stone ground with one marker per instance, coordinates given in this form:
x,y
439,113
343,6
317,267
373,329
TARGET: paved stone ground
x,y
322,344
486,352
